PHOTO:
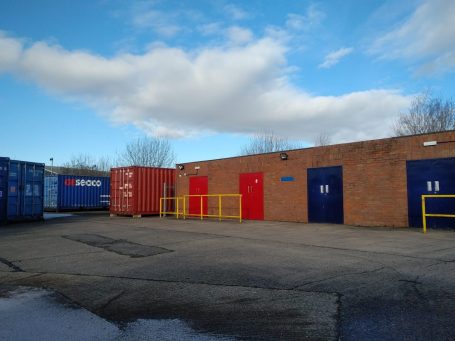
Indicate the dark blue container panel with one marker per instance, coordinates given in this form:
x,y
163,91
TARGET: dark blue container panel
x,y
434,176
325,195
25,190
70,192
4,163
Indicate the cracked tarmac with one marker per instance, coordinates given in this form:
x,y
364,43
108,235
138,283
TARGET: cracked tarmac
x,y
255,280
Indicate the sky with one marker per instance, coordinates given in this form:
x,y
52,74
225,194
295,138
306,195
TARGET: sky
x,y
88,77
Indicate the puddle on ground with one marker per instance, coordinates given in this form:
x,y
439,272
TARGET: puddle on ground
x,y
48,216
38,314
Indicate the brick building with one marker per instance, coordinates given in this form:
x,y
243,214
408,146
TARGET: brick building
x,y
369,183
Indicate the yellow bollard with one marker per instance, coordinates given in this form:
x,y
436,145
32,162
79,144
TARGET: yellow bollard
x,y
240,203
219,207
201,207
424,217
161,206
177,207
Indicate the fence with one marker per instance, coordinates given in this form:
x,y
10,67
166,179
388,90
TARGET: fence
x,y
184,208
441,215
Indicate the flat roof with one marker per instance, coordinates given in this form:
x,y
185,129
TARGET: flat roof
x,y
329,145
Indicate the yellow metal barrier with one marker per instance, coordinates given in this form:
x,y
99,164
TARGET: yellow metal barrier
x,y
425,214
220,215
183,213
164,212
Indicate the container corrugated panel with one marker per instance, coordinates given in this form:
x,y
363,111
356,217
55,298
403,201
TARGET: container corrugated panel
x,y
4,163
50,192
137,190
71,192
25,190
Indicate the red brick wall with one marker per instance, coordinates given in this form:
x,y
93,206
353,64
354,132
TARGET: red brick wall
x,y
374,177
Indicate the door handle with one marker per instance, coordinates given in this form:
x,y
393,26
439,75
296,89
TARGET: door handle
x,y
431,188
324,189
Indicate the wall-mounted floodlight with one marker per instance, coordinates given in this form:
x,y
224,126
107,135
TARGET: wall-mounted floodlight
x,y
181,167
283,156
197,167
430,143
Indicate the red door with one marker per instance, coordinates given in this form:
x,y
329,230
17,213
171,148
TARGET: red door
x,y
198,185
252,190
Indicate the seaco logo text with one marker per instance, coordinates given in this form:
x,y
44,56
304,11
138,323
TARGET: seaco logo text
x,y
83,183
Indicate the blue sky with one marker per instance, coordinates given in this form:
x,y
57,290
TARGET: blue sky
x,y
90,76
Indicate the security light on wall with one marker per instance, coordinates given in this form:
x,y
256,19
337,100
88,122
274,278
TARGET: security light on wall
x,y
283,156
181,167
430,143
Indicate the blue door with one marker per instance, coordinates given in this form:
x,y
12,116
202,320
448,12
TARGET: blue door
x,y
25,190
434,176
4,162
325,195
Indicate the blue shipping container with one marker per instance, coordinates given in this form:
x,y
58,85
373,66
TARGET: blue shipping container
x,y
4,163
71,192
25,190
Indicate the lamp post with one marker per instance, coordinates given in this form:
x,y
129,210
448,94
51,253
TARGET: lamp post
x,y
52,163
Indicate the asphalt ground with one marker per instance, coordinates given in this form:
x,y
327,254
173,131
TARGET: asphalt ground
x,y
249,281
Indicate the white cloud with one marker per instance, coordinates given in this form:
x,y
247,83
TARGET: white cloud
x,y
159,21
427,37
278,33
334,57
210,29
239,35
312,17
10,51
235,12
231,88
441,64
145,16
295,21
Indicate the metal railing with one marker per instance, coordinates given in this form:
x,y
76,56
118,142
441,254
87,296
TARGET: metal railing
x,y
163,206
184,212
425,214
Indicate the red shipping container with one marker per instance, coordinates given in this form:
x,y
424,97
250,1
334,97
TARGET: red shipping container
x,y
136,190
